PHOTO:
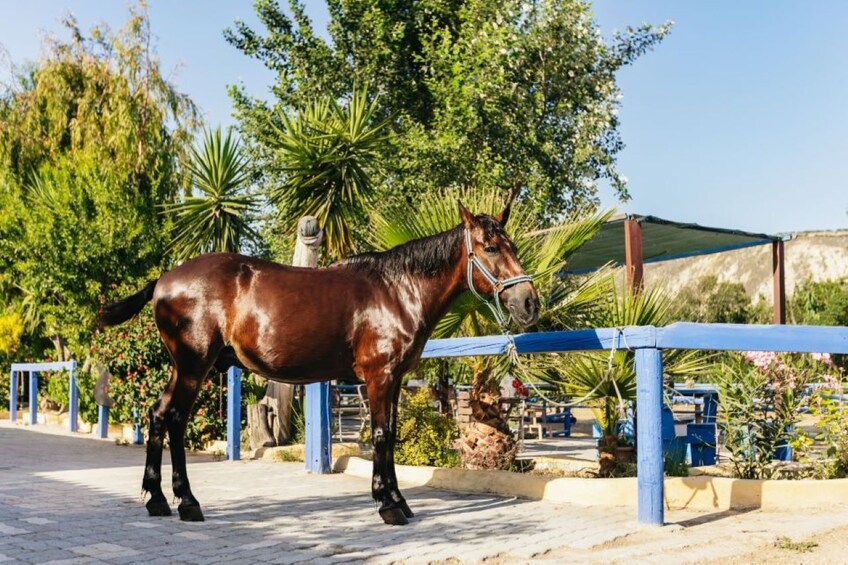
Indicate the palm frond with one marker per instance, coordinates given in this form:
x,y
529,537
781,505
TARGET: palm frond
x,y
219,217
329,153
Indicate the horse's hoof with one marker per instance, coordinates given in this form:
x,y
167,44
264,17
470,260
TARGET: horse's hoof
x,y
393,516
190,513
406,510
158,507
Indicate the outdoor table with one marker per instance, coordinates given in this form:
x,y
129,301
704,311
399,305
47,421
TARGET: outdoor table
x,y
708,394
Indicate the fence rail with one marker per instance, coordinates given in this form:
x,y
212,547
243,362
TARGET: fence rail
x,y
647,342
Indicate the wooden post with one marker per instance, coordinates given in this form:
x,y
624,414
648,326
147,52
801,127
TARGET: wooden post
x,y
649,464
13,396
318,440
633,254
234,414
73,395
778,268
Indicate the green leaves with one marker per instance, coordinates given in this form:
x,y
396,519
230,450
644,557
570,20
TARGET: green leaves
x,y
218,219
327,153
542,253
496,94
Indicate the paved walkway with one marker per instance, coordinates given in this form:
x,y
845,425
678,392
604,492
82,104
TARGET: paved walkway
x,y
70,499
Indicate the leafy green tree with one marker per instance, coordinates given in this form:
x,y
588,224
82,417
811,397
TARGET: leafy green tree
x,y
504,94
91,140
820,303
219,218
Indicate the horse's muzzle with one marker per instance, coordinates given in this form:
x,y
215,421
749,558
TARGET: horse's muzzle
x,y
523,303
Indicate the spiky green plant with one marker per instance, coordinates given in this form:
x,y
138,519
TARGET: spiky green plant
x,y
329,152
487,441
218,217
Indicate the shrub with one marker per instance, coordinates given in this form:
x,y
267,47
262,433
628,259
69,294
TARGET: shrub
x,y
761,394
425,437
711,301
140,367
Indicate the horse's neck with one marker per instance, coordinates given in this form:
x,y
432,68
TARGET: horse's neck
x,y
430,297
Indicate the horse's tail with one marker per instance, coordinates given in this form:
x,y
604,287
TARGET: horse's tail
x,y
122,311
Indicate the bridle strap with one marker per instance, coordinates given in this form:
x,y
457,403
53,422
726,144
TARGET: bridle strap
x,y
498,285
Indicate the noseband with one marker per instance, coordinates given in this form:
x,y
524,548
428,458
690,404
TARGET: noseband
x,y
498,285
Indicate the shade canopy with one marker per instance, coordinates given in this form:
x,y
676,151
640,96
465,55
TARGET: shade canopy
x,y
662,240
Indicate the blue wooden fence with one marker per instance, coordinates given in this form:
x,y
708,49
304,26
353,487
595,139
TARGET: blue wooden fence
x,y
647,342
33,369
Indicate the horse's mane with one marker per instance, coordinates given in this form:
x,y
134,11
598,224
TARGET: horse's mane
x,y
426,256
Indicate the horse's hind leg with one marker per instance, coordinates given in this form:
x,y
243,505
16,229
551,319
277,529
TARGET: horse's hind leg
x,y
188,386
152,481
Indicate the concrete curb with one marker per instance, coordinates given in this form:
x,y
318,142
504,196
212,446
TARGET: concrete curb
x,y
691,493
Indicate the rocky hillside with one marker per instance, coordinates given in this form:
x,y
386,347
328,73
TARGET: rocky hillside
x,y
809,255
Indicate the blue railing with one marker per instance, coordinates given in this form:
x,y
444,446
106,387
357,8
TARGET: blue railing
x,y
647,342
33,369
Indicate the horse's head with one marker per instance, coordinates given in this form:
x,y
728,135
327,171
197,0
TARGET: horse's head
x,y
493,270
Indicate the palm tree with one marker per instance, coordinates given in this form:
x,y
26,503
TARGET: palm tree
x,y
328,153
487,441
218,218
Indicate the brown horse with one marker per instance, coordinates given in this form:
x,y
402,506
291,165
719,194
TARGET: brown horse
x,y
365,319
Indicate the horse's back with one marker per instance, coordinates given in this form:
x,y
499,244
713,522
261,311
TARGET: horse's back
x,y
283,322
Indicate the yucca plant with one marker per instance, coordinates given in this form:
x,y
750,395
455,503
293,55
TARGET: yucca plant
x,y
487,441
217,215
329,152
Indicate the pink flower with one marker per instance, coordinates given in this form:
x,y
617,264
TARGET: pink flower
x,y
823,357
832,382
761,359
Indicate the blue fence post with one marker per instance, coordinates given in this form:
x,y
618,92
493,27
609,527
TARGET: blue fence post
x,y
73,393
13,396
138,437
33,398
103,422
234,414
649,470
318,440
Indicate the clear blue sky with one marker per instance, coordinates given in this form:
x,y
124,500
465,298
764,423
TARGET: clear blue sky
x,y
737,120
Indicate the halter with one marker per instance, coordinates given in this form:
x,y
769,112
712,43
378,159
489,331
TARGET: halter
x,y
498,285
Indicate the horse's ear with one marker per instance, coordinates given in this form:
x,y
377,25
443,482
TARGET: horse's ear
x,y
467,217
504,215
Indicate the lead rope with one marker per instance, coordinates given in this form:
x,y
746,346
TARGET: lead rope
x,y
515,359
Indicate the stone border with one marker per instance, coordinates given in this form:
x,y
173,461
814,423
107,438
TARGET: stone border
x,y
690,493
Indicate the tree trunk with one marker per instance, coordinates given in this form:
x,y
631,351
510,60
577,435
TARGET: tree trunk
x,y
279,396
278,399
61,346
257,426
485,442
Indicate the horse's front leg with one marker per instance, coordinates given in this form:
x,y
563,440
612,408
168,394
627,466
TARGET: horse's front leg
x,y
394,489
380,399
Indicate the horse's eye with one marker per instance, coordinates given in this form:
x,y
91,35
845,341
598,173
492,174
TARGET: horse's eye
x,y
491,250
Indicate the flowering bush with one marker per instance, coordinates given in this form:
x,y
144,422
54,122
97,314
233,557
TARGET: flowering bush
x,y
761,394
140,367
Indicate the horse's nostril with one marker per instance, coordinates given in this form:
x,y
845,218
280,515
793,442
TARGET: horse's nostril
x,y
528,304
